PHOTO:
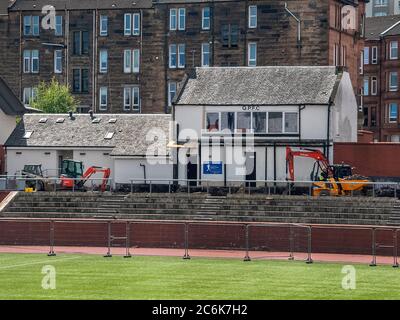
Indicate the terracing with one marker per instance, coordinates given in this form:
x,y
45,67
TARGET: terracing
x,y
204,207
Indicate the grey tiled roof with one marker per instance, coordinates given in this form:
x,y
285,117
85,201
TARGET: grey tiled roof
x,y
130,132
9,103
259,86
374,26
80,4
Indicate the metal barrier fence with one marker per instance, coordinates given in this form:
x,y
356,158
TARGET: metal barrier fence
x,y
181,235
269,187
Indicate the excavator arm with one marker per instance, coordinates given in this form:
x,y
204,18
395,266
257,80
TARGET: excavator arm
x,y
93,170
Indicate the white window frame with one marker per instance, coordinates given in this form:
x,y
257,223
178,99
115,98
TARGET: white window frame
x,y
181,19
135,61
366,56
59,26
374,55
397,112
103,68
131,61
181,50
393,45
251,16
132,91
127,92
27,61
366,86
127,61
374,86
362,62
136,24
34,25
173,51
173,14
205,50
103,25
35,56
251,61
170,97
391,86
204,18
58,55
127,24
102,106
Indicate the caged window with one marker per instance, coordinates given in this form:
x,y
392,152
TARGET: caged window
x,y
213,121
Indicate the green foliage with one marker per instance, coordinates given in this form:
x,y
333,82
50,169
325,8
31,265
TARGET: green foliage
x,y
54,97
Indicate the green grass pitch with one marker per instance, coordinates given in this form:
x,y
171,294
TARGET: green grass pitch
x,y
95,277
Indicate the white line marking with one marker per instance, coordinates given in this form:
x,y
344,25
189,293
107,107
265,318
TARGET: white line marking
x,y
38,262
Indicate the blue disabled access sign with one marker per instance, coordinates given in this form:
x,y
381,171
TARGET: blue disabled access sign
x,y
212,167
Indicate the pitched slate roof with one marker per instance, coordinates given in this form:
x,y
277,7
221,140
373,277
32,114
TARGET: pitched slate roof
x,y
259,86
375,26
9,103
80,4
133,134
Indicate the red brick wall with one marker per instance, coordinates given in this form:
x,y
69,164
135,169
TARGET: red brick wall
x,y
370,159
332,239
3,195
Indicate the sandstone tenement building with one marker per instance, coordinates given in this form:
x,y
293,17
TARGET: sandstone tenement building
x,y
129,56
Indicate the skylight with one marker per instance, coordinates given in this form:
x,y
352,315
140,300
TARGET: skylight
x,y
109,135
43,120
27,134
96,120
112,120
60,120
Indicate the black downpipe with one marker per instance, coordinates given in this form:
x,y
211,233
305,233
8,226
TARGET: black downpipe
x,y
144,172
328,130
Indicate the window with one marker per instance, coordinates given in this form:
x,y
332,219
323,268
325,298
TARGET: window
x,y
103,61
80,80
131,61
374,86
29,95
172,86
206,18
259,122
182,19
252,54
31,25
230,35
103,25
58,61
109,135
275,122
136,24
205,55
31,61
172,56
228,121
181,56
374,55
336,55
131,98
344,56
127,24
393,54
365,114
59,26
291,122
103,98
393,110
212,121
243,121
366,87
366,55
373,117
252,16
173,19
393,81
362,62
81,42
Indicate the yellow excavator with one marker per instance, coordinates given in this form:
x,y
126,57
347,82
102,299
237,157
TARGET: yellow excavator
x,y
330,180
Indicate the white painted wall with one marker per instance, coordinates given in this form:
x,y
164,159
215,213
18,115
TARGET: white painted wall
x,y
128,169
344,112
7,125
16,162
95,158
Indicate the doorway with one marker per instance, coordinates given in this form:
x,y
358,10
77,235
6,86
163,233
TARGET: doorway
x,y
191,173
251,172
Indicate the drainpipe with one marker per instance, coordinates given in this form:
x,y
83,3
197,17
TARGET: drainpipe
x,y
144,172
328,129
298,25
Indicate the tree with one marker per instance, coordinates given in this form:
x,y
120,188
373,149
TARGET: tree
x,y
53,97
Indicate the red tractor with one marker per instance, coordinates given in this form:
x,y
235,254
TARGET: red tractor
x,y
72,176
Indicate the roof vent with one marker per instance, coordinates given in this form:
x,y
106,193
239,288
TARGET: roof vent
x,y
60,120
27,134
112,120
91,114
109,135
42,120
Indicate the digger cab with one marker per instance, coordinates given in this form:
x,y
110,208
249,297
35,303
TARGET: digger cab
x,y
72,169
341,171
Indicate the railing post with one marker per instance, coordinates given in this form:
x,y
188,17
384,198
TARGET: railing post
x,y
169,186
309,258
128,242
51,251
247,257
186,232
131,186
108,254
395,262
373,262
373,190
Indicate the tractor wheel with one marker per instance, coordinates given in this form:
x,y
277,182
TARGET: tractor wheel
x,y
324,193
